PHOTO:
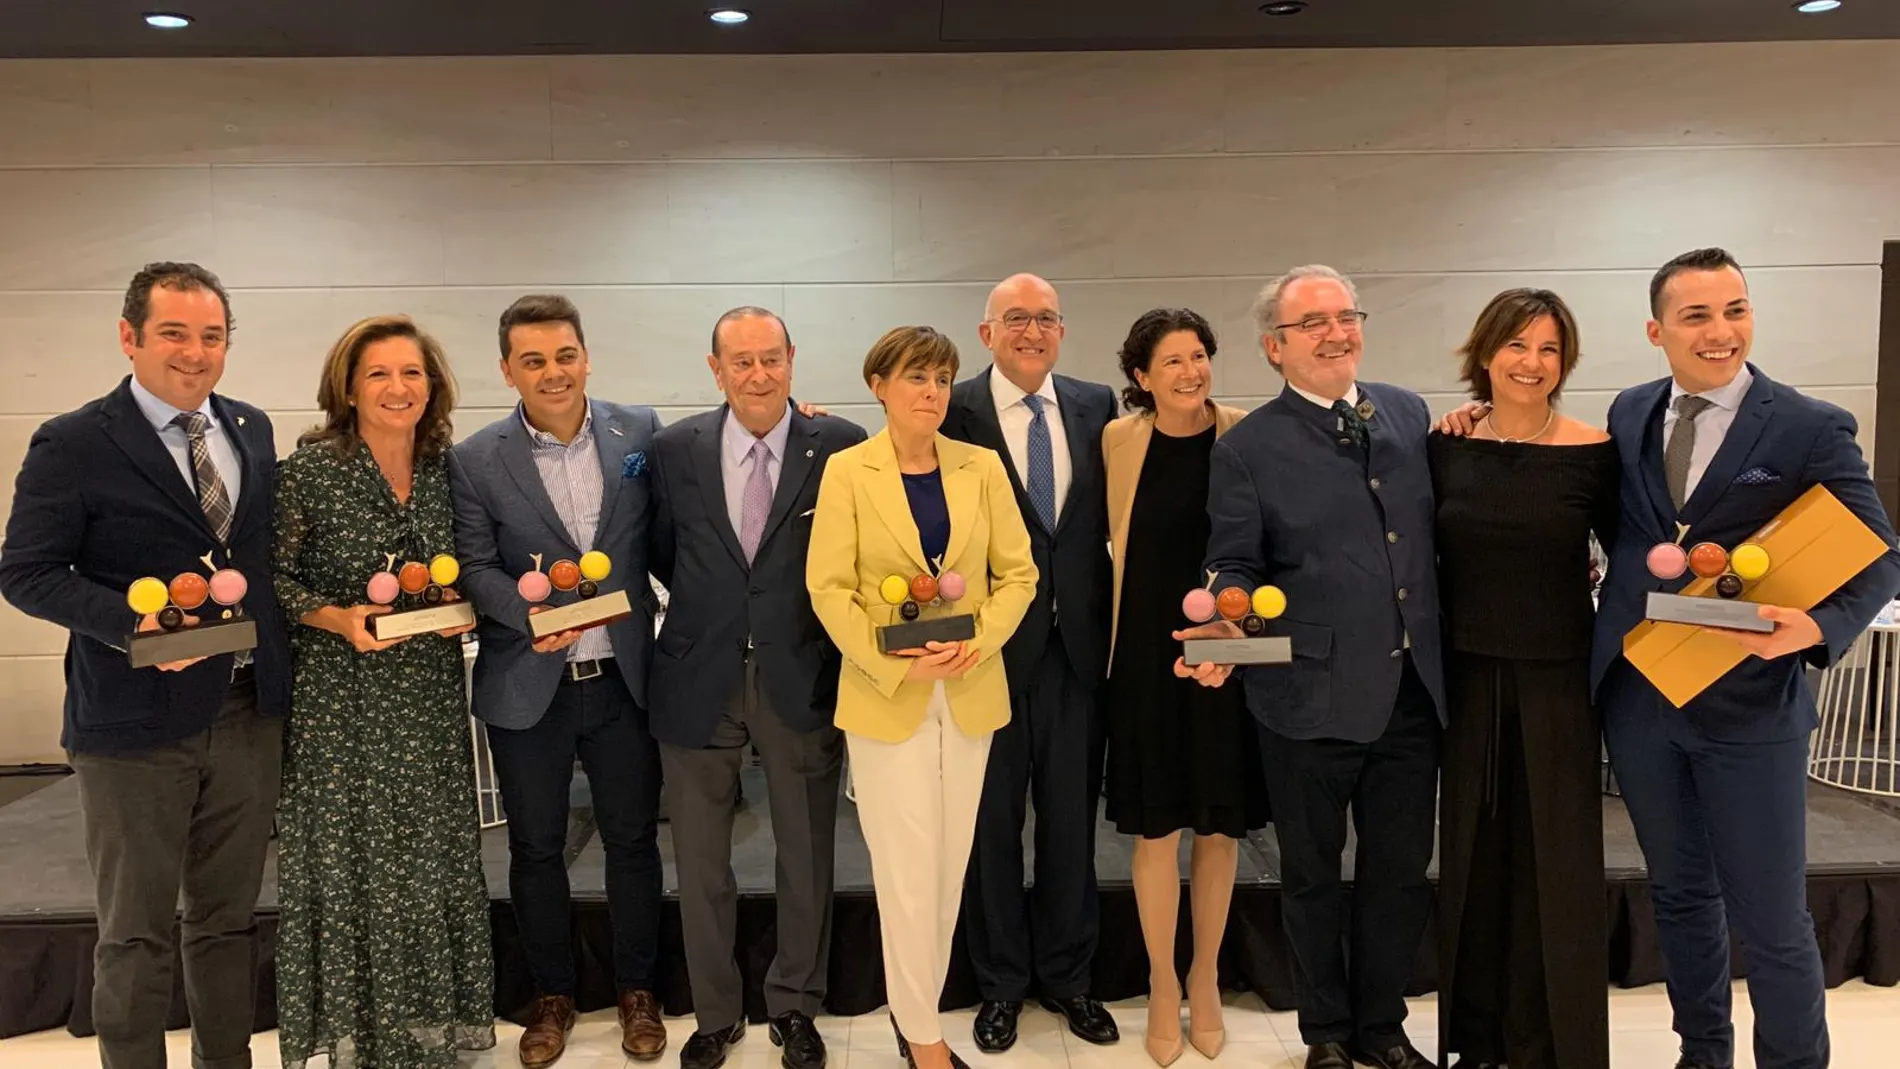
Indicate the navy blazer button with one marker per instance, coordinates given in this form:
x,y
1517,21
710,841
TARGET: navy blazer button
x,y
1375,484
1345,441
1396,654
1391,536
1401,593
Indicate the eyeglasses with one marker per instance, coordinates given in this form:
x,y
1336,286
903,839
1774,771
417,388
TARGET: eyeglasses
x,y
1017,322
1349,321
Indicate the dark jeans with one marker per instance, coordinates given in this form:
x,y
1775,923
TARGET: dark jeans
x,y
598,720
194,815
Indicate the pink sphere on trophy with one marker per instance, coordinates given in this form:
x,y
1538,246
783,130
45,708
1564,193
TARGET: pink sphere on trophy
x,y
950,586
1667,560
533,587
228,586
1198,606
383,587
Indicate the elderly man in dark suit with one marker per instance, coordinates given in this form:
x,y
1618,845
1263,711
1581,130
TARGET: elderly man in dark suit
x,y
557,477
1048,429
742,662
178,764
1324,492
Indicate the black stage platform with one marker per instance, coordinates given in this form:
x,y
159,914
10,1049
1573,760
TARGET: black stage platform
x,y
47,925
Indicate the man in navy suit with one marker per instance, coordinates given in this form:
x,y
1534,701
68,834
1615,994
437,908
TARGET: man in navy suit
x,y
555,478
1324,492
1717,789
1048,429
741,661
178,764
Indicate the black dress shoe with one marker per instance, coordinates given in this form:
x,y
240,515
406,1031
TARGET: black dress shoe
x,y
1690,1063
707,1050
1477,1063
1328,1056
1087,1018
995,1028
1400,1055
903,1049
804,1047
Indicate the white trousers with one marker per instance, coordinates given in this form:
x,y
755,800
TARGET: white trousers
x,y
917,803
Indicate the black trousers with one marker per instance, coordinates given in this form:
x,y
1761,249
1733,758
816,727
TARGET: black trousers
x,y
1351,964
598,720
1049,754
1500,1005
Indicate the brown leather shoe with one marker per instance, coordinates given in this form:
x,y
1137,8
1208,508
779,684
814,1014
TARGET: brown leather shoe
x,y
545,1039
642,1033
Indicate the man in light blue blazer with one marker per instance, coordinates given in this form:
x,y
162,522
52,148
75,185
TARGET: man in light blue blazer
x,y
1717,790
555,478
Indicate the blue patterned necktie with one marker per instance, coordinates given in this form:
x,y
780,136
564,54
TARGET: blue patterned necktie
x,y
1042,465
1352,424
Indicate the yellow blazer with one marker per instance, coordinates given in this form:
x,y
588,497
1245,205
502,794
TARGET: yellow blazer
x,y
863,531
1124,447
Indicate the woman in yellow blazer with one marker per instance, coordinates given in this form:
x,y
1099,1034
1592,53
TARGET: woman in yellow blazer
x,y
902,513
1181,756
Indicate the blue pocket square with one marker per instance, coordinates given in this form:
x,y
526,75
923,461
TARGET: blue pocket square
x,y
634,466
1757,476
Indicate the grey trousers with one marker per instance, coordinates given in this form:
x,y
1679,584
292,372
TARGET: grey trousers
x,y
702,788
194,817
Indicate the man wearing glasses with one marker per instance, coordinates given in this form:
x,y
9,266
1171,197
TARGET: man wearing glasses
x,y
1048,428
1325,493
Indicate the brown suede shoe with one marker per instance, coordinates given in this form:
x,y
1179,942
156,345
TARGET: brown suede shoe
x,y
545,1039
642,1033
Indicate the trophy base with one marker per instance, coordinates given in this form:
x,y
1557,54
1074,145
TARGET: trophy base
x,y
213,638
1274,649
421,621
912,636
583,614
1708,612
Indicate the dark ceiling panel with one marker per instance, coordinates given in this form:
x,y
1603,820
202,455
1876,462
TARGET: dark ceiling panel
x,y
109,28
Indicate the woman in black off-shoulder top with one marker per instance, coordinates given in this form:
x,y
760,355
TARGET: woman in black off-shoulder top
x,y
1521,895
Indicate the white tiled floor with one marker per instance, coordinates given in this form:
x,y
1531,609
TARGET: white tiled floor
x,y
1864,1023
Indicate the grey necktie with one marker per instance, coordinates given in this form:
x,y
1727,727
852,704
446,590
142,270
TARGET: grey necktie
x,y
1681,447
211,493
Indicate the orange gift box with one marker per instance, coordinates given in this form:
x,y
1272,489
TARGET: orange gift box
x,y
1813,547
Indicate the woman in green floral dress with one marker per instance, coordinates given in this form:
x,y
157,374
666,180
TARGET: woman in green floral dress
x,y
383,953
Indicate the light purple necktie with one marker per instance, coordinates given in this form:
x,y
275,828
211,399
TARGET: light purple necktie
x,y
756,502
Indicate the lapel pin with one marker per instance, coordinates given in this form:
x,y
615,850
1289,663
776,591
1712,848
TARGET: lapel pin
x,y
1365,408
616,431
807,454
240,421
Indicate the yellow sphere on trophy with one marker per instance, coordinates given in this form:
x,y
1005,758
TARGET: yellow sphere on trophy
x,y
894,589
595,565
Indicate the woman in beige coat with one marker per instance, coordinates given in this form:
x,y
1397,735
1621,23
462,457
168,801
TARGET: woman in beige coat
x,y
1182,757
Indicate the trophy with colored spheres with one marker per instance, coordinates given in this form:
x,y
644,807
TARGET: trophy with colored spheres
x,y
423,587
912,597
1250,612
175,640
593,608
1716,570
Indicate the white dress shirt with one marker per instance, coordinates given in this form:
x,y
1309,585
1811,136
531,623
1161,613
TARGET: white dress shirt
x,y
1015,417
1711,425
735,461
224,455
1351,398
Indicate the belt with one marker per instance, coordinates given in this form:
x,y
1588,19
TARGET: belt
x,y
582,671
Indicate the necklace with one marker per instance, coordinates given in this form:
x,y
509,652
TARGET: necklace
x,y
1548,420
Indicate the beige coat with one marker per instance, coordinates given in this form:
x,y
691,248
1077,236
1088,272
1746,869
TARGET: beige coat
x,y
1124,447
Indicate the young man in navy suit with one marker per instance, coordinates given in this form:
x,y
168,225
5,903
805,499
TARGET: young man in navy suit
x,y
1325,492
178,764
560,475
1717,789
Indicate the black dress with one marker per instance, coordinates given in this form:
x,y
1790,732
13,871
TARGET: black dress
x,y
1180,756
1522,931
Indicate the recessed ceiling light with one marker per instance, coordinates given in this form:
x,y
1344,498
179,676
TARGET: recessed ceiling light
x,y
729,16
1283,7
1815,7
167,20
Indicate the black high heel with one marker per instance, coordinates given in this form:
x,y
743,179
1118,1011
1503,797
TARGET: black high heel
x,y
903,1048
